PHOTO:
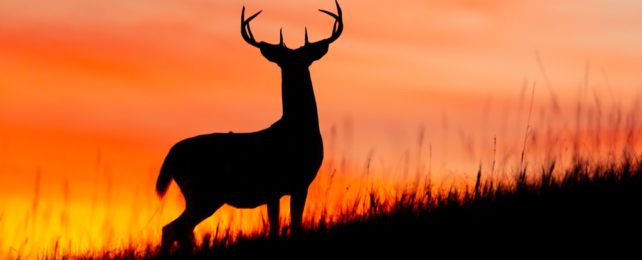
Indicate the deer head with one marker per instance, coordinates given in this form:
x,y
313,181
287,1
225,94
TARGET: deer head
x,y
284,56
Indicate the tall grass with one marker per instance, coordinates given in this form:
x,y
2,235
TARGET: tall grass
x,y
584,146
585,205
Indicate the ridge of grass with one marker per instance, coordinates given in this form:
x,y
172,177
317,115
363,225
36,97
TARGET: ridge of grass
x,y
585,208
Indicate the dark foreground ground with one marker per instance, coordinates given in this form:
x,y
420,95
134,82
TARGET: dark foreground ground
x,y
589,211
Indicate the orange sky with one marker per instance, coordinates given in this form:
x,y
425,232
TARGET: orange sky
x,y
94,92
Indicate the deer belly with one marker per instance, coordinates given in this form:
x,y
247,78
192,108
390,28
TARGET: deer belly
x,y
252,197
250,187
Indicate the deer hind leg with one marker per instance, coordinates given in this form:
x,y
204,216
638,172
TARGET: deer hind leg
x,y
172,233
181,230
273,217
297,205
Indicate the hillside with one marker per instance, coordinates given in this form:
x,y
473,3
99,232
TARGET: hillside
x,y
586,209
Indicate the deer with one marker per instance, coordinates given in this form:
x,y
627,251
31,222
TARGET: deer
x,y
248,170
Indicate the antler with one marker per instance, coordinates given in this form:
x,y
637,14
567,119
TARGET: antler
x,y
337,29
246,31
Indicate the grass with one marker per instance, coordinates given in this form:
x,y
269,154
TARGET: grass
x,y
567,204
586,208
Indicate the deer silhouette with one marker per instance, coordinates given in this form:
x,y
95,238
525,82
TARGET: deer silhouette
x,y
246,170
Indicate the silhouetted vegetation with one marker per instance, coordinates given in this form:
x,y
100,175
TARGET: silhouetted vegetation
x,y
584,209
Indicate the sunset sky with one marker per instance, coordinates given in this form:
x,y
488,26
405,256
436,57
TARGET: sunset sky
x,y
94,92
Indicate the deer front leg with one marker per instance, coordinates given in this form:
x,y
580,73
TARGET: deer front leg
x,y
297,205
273,217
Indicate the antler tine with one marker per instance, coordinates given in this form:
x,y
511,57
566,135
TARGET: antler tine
x,y
281,37
337,29
245,27
307,41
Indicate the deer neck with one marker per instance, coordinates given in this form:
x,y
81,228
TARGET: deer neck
x,y
299,104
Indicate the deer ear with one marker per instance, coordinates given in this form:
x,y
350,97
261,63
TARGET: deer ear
x,y
272,53
316,51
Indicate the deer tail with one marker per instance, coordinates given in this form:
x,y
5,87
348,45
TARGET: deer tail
x,y
164,177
